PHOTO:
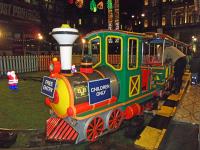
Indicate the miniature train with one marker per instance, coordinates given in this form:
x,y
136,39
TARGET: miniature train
x,y
116,81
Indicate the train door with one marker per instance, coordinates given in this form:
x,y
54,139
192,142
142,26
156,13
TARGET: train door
x,y
114,58
149,60
133,71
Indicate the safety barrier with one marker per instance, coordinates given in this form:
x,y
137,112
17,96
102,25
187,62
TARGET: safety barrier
x,y
30,63
21,64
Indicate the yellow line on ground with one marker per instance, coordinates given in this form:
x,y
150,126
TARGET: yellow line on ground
x,y
150,138
166,111
160,139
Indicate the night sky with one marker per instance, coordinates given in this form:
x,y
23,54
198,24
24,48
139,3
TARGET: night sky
x,y
131,6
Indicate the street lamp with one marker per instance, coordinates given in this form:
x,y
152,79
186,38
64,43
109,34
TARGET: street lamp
x,y
194,43
1,34
40,38
83,45
142,15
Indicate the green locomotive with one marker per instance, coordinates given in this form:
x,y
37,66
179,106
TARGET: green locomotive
x,y
118,79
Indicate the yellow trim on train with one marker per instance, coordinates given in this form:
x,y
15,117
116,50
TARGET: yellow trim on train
x,y
66,97
96,37
121,52
113,107
133,68
136,85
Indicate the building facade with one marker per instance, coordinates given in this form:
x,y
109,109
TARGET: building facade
x,y
24,24
178,18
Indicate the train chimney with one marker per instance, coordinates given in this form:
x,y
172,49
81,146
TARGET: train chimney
x,y
65,36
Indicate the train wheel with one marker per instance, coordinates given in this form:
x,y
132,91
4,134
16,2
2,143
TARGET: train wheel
x,y
94,129
115,119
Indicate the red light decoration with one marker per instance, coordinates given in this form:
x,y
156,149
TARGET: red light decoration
x,y
100,5
79,3
70,1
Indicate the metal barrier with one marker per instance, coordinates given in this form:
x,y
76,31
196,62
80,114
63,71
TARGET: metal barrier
x,y
30,63
21,64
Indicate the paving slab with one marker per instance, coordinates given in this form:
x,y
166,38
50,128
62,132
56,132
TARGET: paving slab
x,y
181,136
188,109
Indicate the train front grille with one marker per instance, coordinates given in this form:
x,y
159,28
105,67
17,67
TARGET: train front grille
x,y
59,130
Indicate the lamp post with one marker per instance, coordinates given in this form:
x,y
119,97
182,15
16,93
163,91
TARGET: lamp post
x,y
40,38
194,43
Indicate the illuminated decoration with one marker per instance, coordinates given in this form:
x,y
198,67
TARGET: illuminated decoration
x,y
79,3
12,80
116,14
110,19
100,5
109,4
70,1
196,4
93,6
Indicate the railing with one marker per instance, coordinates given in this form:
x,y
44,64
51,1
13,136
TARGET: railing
x,y
21,64
29,63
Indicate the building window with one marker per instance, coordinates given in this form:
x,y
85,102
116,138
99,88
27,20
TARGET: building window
x,y
49,4
154,22
27,1
163,21
80,21
179,19
174,20
145,23
145,2
191,19
154,2
34,2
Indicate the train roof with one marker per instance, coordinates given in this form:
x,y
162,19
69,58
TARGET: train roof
x,y
114,31
154,35
148,35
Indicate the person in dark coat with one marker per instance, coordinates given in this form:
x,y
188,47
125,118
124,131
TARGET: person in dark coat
x,y
178,59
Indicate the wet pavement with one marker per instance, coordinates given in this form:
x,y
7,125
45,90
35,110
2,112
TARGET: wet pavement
x,y
188,109
181,136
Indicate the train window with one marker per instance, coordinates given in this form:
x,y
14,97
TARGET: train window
x,y
114,51
95,46
133,53
152,53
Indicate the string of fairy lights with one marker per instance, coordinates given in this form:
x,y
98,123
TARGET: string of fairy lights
x,y
94,5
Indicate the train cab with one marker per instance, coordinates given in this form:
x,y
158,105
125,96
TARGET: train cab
x,y
122,52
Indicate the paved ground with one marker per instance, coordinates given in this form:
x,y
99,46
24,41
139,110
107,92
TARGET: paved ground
x,y
188,109
181,136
